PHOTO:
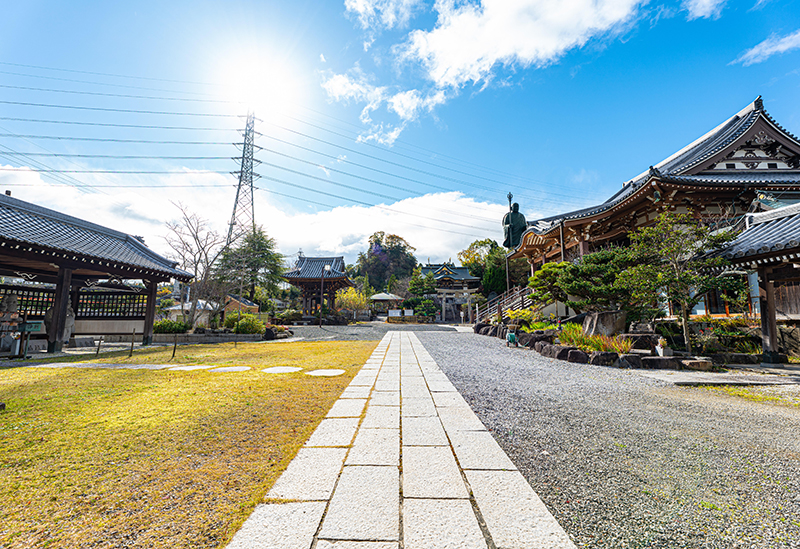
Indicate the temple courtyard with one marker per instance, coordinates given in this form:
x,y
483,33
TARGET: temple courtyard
x,y
432,437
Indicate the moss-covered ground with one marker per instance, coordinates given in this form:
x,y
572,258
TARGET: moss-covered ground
x,y
142,458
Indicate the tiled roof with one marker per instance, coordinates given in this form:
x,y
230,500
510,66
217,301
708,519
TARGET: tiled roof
x,y
31,224
766,233
243,300
697,152
314,267
447,270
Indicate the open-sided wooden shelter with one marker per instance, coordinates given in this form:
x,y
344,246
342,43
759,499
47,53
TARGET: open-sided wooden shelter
x,y
87,263
313,279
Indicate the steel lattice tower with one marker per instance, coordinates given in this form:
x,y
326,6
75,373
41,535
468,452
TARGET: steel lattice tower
x,y
243,218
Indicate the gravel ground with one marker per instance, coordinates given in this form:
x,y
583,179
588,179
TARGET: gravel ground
x,y
624,461
364,331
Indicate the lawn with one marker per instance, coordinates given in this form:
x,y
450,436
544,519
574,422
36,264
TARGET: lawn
x,y
141,458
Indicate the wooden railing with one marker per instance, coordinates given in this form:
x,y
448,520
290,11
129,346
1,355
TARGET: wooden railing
x,y
515,298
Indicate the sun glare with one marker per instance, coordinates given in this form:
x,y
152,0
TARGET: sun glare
x,y
267,88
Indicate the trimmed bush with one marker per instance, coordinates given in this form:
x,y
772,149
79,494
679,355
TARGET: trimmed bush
x,y
170,327
248,324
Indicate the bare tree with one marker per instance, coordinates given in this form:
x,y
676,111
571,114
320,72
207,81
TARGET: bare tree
x,y
197,248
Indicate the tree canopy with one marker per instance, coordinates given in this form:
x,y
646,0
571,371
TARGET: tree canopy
x,y
475,255
387,255
422,285
251,262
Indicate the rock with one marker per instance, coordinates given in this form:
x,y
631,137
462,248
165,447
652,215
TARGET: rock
x,y
641,341
2,406
269,334
630,361
524,339
79,342
561,352
660,363
697,364
478,327
577,356
641,328
539,345
533,339
603,358
605,323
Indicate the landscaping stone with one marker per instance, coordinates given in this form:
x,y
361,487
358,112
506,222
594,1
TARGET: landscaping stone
x,y
279,370
661,363
641,341
630,361
603,358
234,369
269,334
641,328
697,364
2,406
80,342
561,352
479,326
577,356
539,345
329,372
735,358
606,323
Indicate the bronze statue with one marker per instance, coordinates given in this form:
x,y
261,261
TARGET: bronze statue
x,y
514,225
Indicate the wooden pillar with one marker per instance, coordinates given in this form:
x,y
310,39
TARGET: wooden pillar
x,y
63,285
561,234
150,311
583,247
769,325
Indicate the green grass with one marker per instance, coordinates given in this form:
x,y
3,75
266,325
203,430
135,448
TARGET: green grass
x,y
139,458
754,394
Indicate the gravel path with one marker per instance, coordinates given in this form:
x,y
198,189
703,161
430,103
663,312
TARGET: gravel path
x,y
364,331
623,461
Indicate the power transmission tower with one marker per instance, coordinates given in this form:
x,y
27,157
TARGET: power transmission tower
x,y
243,218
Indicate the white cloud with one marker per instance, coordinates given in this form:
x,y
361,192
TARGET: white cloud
x,y
341,231
356,86
771,46
704,9
470,40
322,59
382,14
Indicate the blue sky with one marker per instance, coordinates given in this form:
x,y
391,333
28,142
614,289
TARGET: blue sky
x,y
412,117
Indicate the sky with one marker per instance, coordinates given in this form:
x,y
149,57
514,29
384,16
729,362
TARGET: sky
x,y
410,117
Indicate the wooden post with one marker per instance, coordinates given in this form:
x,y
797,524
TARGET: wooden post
x,y
583,247
60,304
769,325
150,311
561,234
133,338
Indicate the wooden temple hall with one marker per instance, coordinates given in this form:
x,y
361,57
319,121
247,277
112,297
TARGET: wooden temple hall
x,y
76,277
317,277
747,164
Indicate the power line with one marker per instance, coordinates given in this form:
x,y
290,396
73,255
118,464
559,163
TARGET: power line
x,y
114,140
7,63
124,157
113,125
108,109
121,95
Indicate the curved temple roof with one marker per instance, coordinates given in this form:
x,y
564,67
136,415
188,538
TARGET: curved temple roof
x,y
681,166
30,224
314,267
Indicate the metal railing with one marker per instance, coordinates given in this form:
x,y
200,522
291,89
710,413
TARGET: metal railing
x,y
515,298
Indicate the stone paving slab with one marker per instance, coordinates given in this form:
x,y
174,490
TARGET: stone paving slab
x,y
350,497
707,378
441,524
365,505
431,472
418,407
334,432
382,417
514,514
423,431
311,475
284,526
385,398
479,450
352,407
375,447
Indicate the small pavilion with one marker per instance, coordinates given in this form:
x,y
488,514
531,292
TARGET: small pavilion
x,y
770,245
89,266
318,278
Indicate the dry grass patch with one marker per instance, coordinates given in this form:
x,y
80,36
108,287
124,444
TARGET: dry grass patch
x,y
140,458
787,395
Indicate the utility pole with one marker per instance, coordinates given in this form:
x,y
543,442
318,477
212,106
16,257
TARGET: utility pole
x,y
243,217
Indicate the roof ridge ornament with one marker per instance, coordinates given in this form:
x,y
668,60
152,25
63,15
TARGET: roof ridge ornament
x,y
654,172
759,103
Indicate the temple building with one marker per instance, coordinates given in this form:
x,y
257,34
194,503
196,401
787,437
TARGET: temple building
x,y
454,285
317,277
747,164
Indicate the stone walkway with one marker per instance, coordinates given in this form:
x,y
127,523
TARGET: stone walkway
x,y
401,462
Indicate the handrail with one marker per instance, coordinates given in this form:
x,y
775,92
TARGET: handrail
x,y
514,298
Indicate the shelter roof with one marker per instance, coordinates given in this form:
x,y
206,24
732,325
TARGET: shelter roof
x,y
243,300
768,233
685,166
447,270
314,268
383,296
54,234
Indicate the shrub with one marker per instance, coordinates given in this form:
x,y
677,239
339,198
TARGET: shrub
x,y
572,334
533,326
426,308
412,303
170,327
528,315
290,315
249,324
